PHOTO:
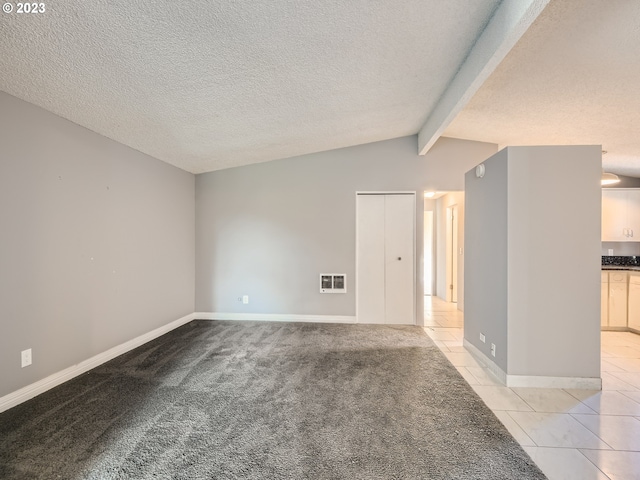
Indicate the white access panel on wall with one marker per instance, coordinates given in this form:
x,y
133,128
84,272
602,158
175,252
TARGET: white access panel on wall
x,y
333,283
385,251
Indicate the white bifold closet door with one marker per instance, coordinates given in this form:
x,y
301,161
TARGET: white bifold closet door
x,y
385,276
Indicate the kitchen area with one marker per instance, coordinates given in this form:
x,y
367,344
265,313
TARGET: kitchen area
x,y
620,275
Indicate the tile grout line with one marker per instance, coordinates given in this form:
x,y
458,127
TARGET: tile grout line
x,y
572,415
523,430
597,467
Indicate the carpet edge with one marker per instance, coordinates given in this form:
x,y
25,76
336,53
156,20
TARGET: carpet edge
x,y
32,390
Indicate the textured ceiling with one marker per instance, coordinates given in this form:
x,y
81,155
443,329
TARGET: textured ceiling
x,y
571,79
210,85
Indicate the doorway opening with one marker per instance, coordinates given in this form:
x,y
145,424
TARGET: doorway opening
x,y
443,247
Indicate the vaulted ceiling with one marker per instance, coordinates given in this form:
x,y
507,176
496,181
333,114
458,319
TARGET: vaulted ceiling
x,y
212,85
571,79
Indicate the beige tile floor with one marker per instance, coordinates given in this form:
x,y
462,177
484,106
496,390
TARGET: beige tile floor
x,y
570,434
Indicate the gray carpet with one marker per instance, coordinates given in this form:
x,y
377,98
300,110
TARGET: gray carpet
x,y
231,400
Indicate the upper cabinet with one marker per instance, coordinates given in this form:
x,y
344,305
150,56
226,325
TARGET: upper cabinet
x,y
621,214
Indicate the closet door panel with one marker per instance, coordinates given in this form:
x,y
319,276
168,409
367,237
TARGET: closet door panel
x,y
370,275
399,259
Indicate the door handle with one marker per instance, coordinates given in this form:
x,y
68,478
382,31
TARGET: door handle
x,y
399,258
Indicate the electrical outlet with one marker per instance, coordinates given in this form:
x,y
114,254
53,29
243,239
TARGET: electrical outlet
x,y
26,357
482,338
493,349
245,299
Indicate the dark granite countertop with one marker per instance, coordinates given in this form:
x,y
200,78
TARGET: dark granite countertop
x,y
621,263
620,267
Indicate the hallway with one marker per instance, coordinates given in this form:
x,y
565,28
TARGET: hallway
x,y
570,434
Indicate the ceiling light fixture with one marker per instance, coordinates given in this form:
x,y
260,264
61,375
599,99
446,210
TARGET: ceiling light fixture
x,y
429,194
609,178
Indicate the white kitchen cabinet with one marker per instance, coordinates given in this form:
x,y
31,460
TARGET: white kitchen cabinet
x,y
618,281
621,214
604,298
634,301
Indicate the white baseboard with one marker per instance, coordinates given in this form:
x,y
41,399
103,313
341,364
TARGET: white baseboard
x,y
534,381
490,364
274,317
539,381
41,386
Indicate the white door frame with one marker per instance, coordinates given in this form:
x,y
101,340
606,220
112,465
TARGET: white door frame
x,y
451,256
394,192
429,253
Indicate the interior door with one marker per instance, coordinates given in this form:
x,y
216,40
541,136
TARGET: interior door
x,y
454,253
428,252
399,259
451,278
385,274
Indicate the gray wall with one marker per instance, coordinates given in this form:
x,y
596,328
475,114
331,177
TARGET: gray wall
x,y
554,290
485,258
449,159
533,248
268,230
97,243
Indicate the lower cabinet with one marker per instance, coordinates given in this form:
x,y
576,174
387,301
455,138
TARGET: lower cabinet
x,y
604,298
618,280
634,301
